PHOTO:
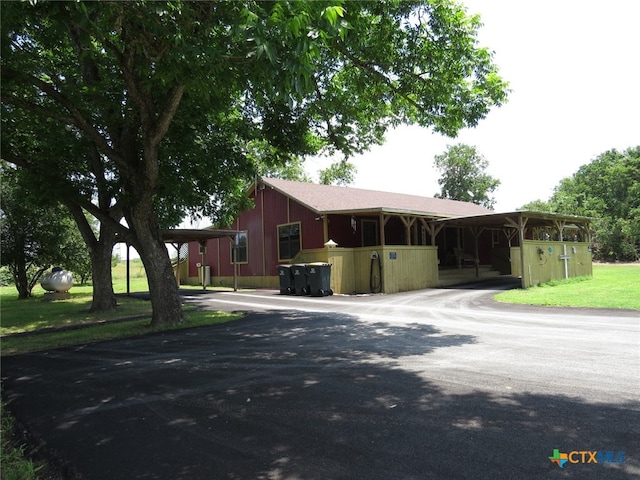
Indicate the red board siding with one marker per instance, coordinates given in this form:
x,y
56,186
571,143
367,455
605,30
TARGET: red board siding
x,y
273,209
261,224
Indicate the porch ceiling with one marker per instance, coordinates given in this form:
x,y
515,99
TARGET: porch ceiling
x,y
501,220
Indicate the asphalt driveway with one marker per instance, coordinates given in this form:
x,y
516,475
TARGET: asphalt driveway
x,y
436,384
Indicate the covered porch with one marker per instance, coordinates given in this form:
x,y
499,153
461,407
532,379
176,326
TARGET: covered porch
x,y
534,246
449,251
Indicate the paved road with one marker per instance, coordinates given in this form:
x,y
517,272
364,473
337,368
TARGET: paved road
x,y
435,384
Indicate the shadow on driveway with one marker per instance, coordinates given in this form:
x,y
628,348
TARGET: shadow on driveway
x,y
297,396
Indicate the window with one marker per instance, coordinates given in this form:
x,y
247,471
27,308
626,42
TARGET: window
x,y
288,241
241,250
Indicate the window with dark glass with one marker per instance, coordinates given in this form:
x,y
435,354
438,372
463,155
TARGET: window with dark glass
x,y
288,241
239,252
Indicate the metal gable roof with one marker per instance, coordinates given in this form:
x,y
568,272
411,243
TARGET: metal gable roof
x,y
325,199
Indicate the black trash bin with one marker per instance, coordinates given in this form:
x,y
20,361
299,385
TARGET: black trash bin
x,y
319,279
300,278
285,275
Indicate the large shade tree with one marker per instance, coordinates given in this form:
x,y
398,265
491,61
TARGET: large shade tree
x,y
172,97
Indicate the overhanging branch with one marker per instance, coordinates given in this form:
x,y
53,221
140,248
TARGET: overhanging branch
x,y
76,117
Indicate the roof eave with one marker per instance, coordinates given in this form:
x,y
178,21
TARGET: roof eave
x,y
383,210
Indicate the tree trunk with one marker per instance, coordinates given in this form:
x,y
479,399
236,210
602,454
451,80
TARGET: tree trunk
x,y
21,281
104,298
166,304
100,250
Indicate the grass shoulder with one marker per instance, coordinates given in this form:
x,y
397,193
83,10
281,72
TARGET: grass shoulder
x,y
612,286
16,465
33,324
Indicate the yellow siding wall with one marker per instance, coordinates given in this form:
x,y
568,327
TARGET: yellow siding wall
x,y
414,268
404,268
243,282
181,271
310,256
362,269
543,263
342,270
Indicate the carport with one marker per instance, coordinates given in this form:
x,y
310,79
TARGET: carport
x,y
180,236
543,246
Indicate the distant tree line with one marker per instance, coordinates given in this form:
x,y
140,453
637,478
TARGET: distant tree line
x,y
607,189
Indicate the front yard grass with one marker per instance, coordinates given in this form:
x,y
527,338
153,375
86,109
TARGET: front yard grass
x,y
33,324
612,286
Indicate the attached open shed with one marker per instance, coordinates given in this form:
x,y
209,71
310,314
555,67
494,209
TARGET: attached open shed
x,y
549,245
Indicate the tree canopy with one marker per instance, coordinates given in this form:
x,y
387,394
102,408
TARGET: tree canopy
x,y
35,233
607,189
464,176
167,102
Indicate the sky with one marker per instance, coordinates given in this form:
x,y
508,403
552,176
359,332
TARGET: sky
x,y
574,73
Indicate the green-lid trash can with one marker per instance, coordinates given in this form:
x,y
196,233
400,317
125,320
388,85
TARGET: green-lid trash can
x,y
285,275
319,274
300,278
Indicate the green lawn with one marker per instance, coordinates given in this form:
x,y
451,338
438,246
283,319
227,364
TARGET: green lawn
x,y
33,324
28,325
612,286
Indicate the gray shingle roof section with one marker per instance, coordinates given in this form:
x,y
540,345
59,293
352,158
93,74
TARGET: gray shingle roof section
x,y
334,199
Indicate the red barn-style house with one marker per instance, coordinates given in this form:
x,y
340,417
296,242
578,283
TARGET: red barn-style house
x,y
385,242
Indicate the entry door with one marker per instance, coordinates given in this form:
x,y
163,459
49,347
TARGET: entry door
x,y
370,233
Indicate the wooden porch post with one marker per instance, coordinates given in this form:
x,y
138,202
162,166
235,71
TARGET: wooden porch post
x,y
408,223
475,231
203,251
325,229
383,222
432,229
520,225
178,265
560,224
510,233
234,257
128,272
